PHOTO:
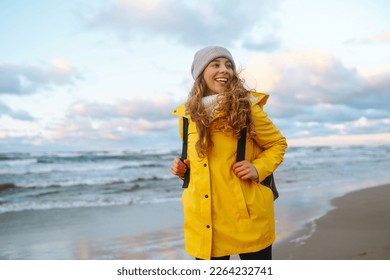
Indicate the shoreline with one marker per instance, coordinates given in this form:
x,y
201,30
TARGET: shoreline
x,y
356,229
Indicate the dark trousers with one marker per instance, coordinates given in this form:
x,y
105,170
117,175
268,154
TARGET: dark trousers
x,y
265,254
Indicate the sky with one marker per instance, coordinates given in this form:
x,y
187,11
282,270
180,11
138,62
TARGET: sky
x,y
106,74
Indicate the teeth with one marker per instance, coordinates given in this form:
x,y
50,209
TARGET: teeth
x,y
224,80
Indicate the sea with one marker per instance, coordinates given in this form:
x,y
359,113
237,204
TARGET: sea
x,y
308,179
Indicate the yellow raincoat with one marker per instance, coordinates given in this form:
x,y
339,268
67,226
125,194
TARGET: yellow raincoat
x,y
224,215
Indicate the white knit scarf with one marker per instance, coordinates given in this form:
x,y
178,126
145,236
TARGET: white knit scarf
x,y
210,104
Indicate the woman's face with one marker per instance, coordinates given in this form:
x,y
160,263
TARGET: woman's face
x,y
217,75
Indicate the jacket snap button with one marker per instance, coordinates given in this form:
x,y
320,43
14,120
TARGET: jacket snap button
x,y
205,164
208,226
206,196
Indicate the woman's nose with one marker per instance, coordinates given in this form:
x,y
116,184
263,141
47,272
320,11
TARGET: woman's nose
x,y
222,69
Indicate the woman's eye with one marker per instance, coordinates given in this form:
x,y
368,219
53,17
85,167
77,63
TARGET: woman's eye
x,y
229,66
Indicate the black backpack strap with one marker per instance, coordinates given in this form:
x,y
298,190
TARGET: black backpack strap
x,y
241,144
268,181
186,180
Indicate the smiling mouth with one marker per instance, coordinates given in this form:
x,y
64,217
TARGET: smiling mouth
x,y
222,80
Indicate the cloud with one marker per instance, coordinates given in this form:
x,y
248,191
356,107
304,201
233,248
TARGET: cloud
x,y
15,114
308,79
109,133
158,108
383,37
21,80
364,125
192,22
316,94
334,140
125,118
125,124
267,43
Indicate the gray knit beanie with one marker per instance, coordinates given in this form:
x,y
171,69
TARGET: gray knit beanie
x,y
204,56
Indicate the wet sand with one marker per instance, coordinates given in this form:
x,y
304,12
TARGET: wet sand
x,y
146,231
357,229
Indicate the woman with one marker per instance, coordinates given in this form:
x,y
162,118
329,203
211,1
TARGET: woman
x,y
226,210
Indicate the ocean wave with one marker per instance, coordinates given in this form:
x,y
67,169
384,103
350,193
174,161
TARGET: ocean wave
x,y
99,157
23,206
86,156
18,162
102,202
78,168
87,181
132,188
142,165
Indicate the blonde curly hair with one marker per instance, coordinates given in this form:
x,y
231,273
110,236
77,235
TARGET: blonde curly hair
x,y
234,104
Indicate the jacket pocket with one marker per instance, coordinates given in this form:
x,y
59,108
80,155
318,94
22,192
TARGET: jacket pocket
x,y
240,200
265,198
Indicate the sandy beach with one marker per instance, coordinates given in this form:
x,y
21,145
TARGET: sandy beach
x,y
357,229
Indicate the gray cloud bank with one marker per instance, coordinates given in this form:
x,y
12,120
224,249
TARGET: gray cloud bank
x,y
22,80
312,99
15,114
226,22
